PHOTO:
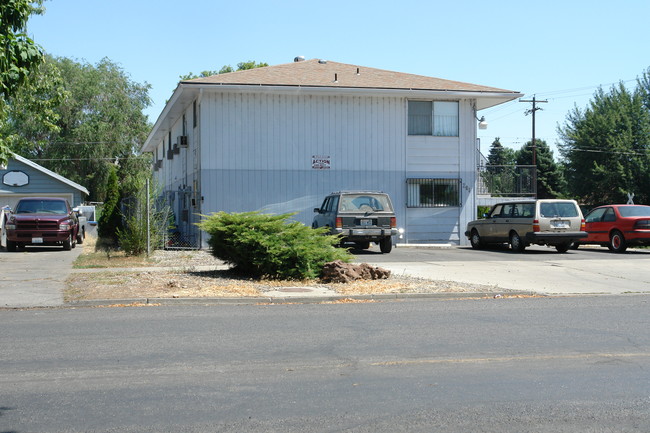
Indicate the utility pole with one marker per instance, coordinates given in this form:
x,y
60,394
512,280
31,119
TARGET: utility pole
x,y
532,111
527,112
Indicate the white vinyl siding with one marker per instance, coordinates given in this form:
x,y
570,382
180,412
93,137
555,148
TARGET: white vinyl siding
x,y
261,148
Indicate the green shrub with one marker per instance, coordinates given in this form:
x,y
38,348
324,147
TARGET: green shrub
x,y
261,245
110,219
482,210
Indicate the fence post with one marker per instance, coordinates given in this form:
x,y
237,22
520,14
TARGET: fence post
x,y
148,221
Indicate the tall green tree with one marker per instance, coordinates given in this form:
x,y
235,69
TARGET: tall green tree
x,y
90,117
606,146
32,121
499,176
500,155
550,178
19,55
110,219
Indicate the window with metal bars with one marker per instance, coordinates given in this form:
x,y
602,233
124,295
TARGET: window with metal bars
x,y
433,192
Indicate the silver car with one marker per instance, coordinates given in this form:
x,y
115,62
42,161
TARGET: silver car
x,y
553,222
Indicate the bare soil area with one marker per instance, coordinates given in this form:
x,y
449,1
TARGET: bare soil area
x,y
196,274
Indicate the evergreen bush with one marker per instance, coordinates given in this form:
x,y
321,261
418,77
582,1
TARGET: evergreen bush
x,y
270,246
110,219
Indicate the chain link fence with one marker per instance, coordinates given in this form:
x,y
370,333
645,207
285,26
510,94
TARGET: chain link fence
x,y
166,220
507,180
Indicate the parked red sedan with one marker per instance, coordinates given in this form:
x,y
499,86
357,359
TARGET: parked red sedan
x,y
617,226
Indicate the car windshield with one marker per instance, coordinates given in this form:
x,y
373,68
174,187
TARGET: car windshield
x,y
42,206
558,209
365,203
634,211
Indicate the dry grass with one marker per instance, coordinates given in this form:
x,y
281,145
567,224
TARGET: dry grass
x,y
197,274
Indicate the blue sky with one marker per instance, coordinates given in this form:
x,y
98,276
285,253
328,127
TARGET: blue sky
x,y
560,51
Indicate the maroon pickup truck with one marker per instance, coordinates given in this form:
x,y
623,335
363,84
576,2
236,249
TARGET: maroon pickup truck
x,y
42,221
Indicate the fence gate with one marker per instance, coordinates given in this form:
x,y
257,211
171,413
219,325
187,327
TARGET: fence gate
x,y
184,234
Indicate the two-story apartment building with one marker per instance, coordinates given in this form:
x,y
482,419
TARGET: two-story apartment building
x,y
279,138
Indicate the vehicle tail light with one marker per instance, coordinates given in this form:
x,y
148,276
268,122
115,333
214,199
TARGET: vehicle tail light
x,y
339,222
536,225
582,225
393,222
642,225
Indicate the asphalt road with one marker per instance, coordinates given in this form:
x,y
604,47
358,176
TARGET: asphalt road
x,y
588,270
558,364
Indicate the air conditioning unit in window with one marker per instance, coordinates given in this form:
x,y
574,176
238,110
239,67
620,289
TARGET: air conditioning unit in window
x,y
182,140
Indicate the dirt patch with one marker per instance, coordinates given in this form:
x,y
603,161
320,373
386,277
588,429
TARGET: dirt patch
x,y
197,274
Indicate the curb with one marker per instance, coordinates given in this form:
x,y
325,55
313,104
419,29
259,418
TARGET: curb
x,y
291,299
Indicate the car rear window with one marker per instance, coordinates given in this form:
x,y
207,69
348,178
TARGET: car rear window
x,y
634,211
558,209
365,202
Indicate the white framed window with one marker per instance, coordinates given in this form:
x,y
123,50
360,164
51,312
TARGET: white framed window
x,y
423,192
437,118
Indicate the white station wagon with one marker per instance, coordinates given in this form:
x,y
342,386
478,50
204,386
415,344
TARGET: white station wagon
x,y
557,223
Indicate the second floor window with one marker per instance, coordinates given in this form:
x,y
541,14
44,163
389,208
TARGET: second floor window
x,y
437,118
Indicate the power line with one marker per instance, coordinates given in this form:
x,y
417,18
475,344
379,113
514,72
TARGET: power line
x,y
532,111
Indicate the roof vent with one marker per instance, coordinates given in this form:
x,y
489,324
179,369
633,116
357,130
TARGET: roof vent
x,y
299,59
322,62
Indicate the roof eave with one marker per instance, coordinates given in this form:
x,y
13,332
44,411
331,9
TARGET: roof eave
x,y
484,99
50,173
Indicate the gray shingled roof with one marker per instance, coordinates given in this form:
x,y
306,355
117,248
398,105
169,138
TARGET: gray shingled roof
x,y
318,73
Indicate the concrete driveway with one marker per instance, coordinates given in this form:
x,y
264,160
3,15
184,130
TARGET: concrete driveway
x,y
35,277
588,270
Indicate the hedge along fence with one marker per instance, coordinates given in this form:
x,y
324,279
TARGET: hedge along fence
x,y
271,246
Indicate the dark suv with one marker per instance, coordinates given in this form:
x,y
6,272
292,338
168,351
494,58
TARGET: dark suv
x,y
360,217
42,221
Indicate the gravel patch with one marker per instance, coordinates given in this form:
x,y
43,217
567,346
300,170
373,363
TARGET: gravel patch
x,y
197,274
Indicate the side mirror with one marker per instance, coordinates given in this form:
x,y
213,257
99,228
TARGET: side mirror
x,y
317,209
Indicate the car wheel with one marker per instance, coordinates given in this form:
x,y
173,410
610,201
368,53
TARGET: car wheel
x,y
12,246
475,240
575,245
362,245
617,242
81,236
516,244
67,244
386,245
563,248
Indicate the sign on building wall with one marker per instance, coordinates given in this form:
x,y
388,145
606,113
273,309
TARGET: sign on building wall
x,y
320,162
